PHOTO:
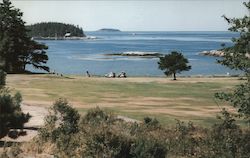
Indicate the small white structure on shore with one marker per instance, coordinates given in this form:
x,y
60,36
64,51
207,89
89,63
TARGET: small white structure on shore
x,y
91,37
67,34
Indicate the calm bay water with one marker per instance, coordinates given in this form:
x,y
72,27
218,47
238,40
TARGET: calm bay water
x,y
78,56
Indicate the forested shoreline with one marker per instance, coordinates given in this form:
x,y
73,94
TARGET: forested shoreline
x,y
54,29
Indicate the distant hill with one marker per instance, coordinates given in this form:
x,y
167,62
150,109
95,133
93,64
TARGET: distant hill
x,y
55,29
109,30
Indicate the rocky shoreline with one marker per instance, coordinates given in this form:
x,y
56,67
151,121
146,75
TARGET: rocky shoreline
x,y
218,53
65,38
137,54
215,53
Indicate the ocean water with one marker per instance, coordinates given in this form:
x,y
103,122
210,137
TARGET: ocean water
x,y
79,56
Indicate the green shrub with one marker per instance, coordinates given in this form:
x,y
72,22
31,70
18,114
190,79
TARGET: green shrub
x,y
61,128
2,78
153,123
11,116
185,140
227,139
102,134
96,116
63,119
11,152
148,146
107,142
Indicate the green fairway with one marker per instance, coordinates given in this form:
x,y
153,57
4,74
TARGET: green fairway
x,y
185,99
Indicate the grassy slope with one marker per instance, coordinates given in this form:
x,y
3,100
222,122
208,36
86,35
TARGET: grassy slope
x,y
185,99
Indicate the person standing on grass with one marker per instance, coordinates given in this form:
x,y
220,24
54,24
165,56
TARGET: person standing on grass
x,y
87,72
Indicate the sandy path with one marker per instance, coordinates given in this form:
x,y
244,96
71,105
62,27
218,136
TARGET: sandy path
x,y
37,112
37,120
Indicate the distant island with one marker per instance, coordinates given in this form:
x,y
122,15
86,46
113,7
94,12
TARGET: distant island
x,y
109,30
55,30
137,54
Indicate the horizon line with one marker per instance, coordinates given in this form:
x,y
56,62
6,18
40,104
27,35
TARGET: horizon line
x,y
161,31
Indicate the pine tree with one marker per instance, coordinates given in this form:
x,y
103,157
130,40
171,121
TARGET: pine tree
x,y
11,115
15,44
173,63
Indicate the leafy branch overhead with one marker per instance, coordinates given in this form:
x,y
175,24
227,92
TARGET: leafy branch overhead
x,y
238,57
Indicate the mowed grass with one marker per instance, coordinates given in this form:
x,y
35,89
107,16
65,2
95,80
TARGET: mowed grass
x,y
185,99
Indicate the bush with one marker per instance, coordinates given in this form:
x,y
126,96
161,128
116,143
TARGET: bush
x,y
102,134
108,142
106,135
227,139
148,146
99,134
149,122
186,140
2,78
11,116
62,119
96,116
61,127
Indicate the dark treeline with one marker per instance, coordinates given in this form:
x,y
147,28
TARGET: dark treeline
x,y
17,49
54,29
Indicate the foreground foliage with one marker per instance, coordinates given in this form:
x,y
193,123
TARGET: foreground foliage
x,y
102,134
16,48
99,134
238,57
11,115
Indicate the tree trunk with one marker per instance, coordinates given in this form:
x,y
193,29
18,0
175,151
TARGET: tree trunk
x,y
174,76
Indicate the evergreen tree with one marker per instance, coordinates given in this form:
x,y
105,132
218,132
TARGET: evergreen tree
x,y
2,78
11,115
173,63
238,57
15,45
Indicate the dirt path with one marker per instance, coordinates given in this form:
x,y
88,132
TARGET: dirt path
x,y
37,120
37,112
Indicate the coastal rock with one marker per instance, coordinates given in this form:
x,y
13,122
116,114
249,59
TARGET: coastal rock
x,y
137,54
216,53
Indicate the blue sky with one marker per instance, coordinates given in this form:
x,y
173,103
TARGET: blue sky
x,y
140,15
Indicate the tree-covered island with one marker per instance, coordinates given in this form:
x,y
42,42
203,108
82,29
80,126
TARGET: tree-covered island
x,y
55,30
